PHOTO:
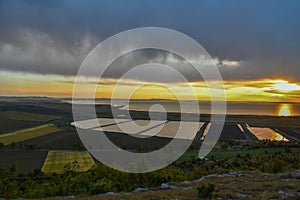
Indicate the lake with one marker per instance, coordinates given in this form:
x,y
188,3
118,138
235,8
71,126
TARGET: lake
x,y
233,108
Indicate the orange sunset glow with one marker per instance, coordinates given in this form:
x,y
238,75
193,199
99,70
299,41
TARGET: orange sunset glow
x,y
265,90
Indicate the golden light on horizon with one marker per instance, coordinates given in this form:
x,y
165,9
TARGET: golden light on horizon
x,y
284,110
32,84
285,86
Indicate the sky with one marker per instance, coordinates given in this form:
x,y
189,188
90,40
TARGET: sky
x,y
254,43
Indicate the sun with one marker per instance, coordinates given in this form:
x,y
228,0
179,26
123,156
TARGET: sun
x,y
284,110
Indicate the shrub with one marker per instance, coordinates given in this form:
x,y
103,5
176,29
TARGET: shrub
x,y
101,186
199,172
206,191
274,166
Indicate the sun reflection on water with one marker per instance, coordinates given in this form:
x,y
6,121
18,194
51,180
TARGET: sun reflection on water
x,y
284,110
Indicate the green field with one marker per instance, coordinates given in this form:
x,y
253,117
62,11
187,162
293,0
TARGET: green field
x,y
29,133
26,116
57,160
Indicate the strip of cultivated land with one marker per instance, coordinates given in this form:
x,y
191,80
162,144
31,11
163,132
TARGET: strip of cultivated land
x,y
26,161
231,131
57,160
29,133
61,140
26,116
17,120
293,133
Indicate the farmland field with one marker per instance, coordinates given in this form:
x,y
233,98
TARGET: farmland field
x,y
8,125
265,121
293,132
57,160
61,140
26,116
94,123
28,133
25,161
142,127
233,132
16,120
266,133
132,127
170,128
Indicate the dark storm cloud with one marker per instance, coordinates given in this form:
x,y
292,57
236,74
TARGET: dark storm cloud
x,y
54,36
145,56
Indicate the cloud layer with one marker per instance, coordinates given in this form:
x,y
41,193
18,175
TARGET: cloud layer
x,y
248,39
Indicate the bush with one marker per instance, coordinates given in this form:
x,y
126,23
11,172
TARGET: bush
x,y
274,166
102,186
199,172
206,191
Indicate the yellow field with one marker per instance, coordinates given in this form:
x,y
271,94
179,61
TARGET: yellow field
x,y
29,133
57,160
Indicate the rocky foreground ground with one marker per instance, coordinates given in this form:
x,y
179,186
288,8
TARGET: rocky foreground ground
x,y
232,185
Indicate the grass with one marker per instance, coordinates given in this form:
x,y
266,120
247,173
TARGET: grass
x,y
29,133
26,116
57,160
